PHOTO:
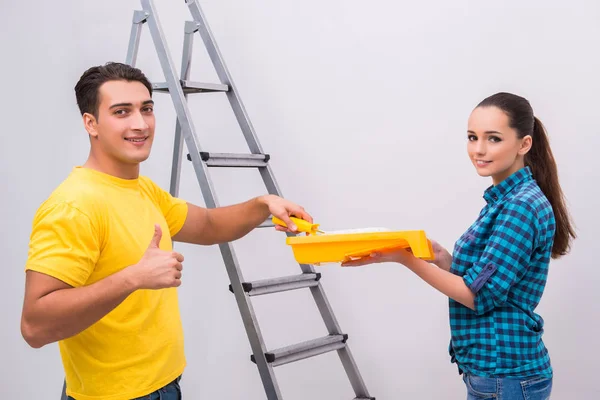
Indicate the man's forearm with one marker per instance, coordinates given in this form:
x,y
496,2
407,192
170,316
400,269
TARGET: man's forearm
x,y
225,224
65,312
233,222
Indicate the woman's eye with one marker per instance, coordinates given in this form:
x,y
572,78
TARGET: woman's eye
x,y
472,137
495,139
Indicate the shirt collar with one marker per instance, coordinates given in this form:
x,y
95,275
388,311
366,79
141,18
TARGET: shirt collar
x,y
494,193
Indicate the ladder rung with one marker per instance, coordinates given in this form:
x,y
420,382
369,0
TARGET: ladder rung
x,y
282,284
304,350
192,87
364,398
233,160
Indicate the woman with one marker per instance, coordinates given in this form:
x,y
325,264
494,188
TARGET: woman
x,y
497,273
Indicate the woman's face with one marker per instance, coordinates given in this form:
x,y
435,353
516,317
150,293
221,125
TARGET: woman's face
x,y
493,146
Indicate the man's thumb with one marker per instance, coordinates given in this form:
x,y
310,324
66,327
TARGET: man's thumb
x,y
155,242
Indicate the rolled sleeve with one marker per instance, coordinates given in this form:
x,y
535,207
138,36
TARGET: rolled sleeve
x,y
505,259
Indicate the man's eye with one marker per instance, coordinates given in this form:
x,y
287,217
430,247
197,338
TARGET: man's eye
x,y
120,112
148,109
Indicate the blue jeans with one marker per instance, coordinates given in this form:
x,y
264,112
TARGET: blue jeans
x,y
479,388
170,392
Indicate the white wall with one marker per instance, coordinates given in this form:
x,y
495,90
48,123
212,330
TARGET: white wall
x,y
363,106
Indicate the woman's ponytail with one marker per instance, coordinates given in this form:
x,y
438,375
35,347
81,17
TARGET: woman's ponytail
x,y
540,160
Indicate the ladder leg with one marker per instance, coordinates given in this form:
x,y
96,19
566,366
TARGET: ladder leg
x,y
231,263
179,101
232,94
265,369
186,61
333,327
223,73
139,17
177,156
354,376
63,395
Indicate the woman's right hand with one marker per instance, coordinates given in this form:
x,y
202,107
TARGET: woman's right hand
x,y
443,259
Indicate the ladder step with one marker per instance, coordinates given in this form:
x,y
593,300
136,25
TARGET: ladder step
x,y
192,87
364,398
233,160
282,284
304,350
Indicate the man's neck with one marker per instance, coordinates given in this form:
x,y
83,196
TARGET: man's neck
x,y
110,167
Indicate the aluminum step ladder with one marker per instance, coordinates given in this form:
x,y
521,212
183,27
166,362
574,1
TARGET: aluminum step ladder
x,y
179,88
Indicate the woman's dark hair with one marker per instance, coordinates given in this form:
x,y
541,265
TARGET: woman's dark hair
x,y
541,161
86,89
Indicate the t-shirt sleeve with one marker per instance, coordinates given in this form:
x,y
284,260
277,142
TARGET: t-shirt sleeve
x,y
506,257
174,209
64,244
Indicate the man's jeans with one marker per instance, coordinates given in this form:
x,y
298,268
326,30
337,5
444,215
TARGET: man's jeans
x,y
480,388
170,392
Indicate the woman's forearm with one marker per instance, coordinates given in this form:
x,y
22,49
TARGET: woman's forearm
x,y
444,262
449,284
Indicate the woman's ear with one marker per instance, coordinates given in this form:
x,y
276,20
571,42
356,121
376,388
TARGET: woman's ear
x,y
526,144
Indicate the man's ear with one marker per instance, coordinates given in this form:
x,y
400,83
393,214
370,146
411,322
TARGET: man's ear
x,y
90,123
526,144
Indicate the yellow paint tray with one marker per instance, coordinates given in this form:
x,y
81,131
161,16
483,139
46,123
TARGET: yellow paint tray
x,y
334,248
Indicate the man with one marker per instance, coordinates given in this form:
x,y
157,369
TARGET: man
x,y
101,276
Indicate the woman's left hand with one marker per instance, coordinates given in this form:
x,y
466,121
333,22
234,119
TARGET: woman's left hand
x,y
394,255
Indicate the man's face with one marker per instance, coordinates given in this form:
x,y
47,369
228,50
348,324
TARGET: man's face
x,y
124,130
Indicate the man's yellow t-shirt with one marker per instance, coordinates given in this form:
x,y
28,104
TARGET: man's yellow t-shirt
x,y
90,227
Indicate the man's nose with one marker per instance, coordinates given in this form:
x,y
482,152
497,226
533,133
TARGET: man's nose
x,y
138,122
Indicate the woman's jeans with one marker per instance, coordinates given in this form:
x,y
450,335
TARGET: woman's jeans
x,y
479,388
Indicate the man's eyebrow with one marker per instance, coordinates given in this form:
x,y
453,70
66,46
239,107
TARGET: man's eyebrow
x,y
120,105
130,104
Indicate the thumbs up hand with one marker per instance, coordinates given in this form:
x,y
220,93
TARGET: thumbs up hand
x,y
158,269
155,242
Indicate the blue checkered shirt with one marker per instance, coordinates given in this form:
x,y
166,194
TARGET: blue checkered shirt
x,y
503,258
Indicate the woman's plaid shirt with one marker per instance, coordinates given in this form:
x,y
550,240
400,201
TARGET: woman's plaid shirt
x,y
503,258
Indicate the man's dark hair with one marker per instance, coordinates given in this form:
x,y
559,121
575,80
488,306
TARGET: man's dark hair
x,y
86,89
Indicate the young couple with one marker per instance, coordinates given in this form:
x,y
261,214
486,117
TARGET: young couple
x,y
102,278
